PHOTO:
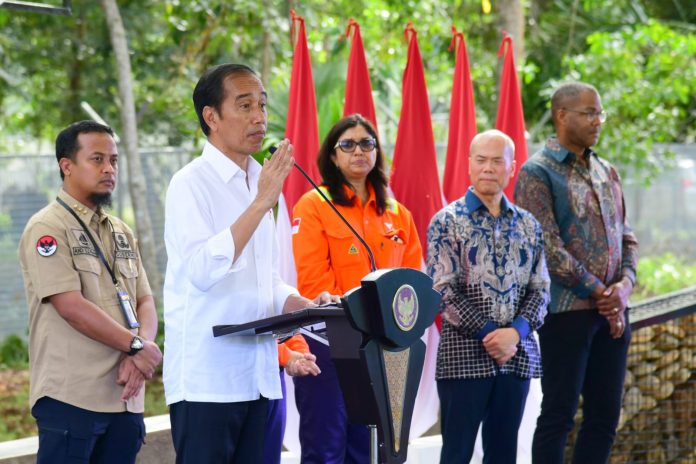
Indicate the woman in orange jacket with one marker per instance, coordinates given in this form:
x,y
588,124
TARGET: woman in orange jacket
x,y
328,257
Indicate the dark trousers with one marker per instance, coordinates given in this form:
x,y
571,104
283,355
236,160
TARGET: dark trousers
x,y
221,433
497,401
71,435
275,426
579,356
326,436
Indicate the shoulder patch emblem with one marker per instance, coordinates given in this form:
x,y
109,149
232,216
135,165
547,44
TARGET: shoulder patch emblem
x,y
46,245
296,225
353,250
121,241
81,237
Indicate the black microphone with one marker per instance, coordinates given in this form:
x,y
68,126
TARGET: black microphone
x,y
373,266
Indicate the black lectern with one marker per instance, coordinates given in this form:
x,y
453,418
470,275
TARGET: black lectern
x,y
376,347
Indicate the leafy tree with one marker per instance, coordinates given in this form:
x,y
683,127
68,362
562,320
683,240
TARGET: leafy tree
x,y
49,64
136,178
648,85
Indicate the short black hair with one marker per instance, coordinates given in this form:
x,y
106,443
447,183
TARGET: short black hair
x,y
210,89
66,142
334,179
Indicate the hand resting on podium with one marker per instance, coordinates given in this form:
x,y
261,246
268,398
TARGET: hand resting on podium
x,y
295,302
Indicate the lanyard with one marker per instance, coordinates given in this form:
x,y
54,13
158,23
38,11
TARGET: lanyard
x,y
91,238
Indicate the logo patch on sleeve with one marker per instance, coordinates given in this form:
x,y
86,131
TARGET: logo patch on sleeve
x,y
296,225
46,245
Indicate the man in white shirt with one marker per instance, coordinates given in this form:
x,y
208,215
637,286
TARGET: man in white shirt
x,y
223,269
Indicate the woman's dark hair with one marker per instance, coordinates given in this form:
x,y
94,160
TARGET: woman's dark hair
x,y
334,179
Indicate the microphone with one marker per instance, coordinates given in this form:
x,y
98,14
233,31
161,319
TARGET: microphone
x,y
373,266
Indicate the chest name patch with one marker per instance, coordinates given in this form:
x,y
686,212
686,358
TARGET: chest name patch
x,y
126,254
87,250
46,245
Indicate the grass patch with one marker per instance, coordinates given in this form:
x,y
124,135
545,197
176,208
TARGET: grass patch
x,y
16,420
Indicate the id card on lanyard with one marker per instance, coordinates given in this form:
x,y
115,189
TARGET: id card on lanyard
x,y
124,299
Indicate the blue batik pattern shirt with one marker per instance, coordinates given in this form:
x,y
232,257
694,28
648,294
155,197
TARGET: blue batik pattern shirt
x,y
491,273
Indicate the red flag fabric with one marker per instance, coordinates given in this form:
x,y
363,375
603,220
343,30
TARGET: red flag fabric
x,y
302,127
414,178
510,115
358,88
415,183
462,123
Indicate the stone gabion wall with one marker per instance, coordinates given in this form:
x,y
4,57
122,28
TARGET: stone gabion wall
x,y
658,416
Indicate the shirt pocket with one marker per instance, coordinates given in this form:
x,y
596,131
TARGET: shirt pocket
x,y
127,268
90,269
392,247
88,264
345,250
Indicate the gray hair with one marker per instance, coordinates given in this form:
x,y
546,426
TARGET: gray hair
x,y
491,134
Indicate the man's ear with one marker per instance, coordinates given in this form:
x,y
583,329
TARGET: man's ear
x,y
561,117
65,165
211,117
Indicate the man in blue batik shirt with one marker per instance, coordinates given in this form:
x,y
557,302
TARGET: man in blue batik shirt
x,y
486,258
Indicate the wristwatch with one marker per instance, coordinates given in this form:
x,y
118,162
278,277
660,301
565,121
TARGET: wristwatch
x,y
136,345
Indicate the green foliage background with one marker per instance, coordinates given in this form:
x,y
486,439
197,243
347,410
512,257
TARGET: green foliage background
x,y
639,53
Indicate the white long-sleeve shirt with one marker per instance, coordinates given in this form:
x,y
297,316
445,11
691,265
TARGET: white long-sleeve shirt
x,y
203,286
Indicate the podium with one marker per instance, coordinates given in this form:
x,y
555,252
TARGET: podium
x,y
375,344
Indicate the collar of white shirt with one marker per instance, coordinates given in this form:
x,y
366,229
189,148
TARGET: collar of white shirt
x,y
225,167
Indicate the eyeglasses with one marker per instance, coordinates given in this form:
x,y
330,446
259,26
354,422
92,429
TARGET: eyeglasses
x,y
591,115
348,145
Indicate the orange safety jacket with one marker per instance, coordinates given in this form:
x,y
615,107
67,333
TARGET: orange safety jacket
x,y
294,343
328,257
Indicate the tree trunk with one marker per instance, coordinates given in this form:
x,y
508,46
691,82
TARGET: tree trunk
x,y
75,71
512,21
136,180
266,49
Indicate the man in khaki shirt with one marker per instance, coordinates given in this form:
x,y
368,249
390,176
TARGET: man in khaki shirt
x,y
92,318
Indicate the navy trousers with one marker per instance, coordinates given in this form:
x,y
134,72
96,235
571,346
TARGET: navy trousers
x,y
497,402
221,433
579,356
275,426
71,435
326,436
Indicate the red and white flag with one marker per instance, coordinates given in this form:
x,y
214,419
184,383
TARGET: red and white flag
x,y
415,183
462,123
302,129
510,114
358,87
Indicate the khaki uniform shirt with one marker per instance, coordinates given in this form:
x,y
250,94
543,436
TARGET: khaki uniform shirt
x,y
57,257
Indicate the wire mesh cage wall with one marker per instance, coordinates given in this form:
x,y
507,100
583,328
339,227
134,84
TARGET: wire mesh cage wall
x,y
658,414
29,182
657,422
